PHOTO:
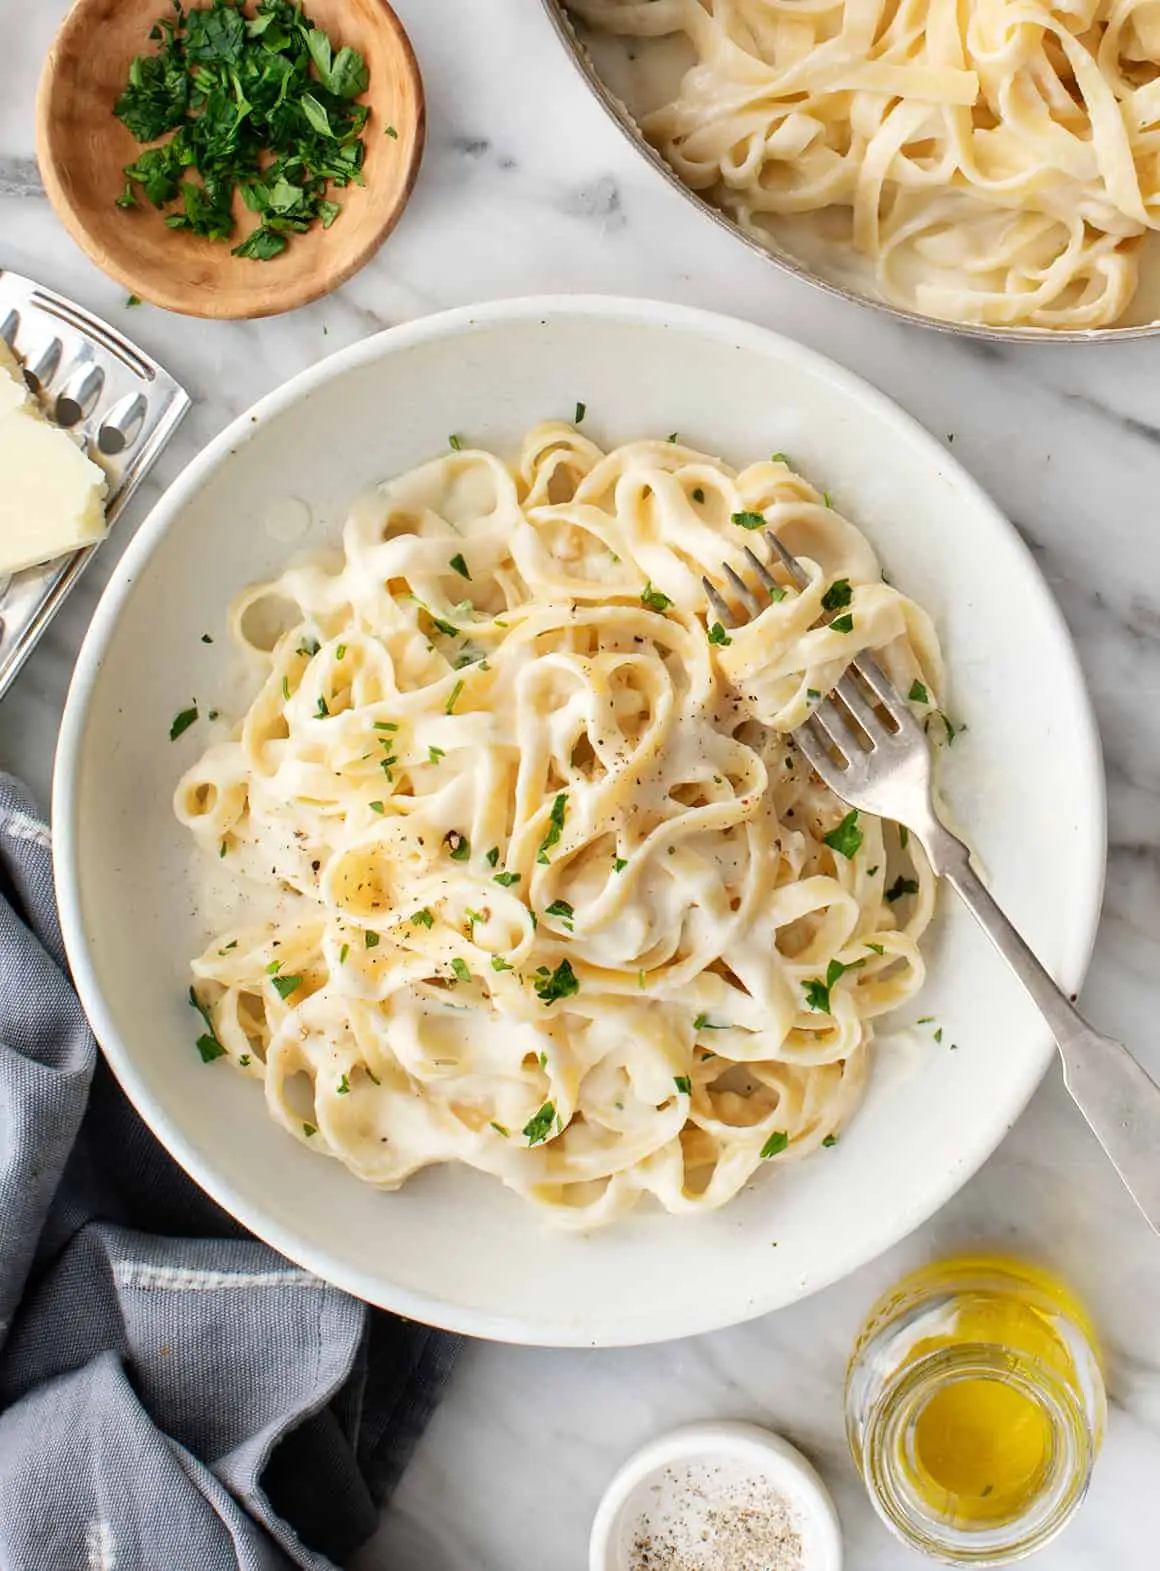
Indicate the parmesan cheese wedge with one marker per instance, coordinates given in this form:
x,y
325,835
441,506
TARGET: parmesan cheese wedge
x,y
52,494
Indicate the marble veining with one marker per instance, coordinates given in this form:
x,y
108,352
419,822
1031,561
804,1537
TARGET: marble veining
x,y
527,187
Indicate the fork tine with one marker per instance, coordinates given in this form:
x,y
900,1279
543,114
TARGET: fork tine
x,y
724,615
743,592
776,592
882,687
790,562
864,713
836,726
814,746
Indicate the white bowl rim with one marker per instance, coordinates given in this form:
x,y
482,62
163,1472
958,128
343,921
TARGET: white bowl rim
x,y
365,1285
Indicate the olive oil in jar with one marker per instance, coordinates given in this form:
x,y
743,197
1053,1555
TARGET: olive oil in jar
x,y
975,1408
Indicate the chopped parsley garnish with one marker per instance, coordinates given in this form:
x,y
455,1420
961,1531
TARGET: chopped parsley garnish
x,y
273,968
498,963
391,132
826,499
458,846
385,725
830,1141
460,566
340,652
748,520
902,886
285,985
454,443
499,1129
842,624
448,629
461,969
539,1126
206,638
182,722
506,880
654,599
847,838
259,105
938,1036
286,688
323,709
423,918
452,700
918,693
703,1023
812,693
371,1076
718,635
581,411
838,595
560,983
309,1129
818,992
563,910
779,458
619,864
683,1084
377,807
903,836
817,996
207,1044
342,954
672,436
245,1061
698,494
434,754
876,948
309,647
370,939
555,827
776,1143
493,856
343,1087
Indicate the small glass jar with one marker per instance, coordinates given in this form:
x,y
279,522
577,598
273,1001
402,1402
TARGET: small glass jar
x,y
975,1409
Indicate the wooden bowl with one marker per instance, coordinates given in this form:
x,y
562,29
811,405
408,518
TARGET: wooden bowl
x,y
82,149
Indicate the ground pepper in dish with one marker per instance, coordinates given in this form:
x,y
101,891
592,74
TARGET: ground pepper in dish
x,y
262,106
751,1531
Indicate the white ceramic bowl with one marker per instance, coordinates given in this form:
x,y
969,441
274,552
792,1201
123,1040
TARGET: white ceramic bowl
x,y
454,1247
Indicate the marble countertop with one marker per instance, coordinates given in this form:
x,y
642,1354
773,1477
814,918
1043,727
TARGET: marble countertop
x,y
527,187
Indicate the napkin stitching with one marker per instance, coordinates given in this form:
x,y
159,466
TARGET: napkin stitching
x,y
99,1547
184,1279
21,826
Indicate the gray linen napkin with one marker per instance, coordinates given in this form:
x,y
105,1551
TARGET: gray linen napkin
x,y
172,1393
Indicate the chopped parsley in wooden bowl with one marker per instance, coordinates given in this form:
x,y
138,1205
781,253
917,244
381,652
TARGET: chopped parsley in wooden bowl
x,y
230,160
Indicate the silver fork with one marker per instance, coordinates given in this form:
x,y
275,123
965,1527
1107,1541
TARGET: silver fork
x,y
883,766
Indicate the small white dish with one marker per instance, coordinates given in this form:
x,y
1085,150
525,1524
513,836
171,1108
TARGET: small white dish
x,y
666,1495
454,1248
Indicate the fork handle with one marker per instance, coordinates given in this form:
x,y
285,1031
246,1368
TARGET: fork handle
x,y
1118,1098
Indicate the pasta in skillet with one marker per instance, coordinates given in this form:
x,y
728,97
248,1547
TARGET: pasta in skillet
x,y
560,902
994,161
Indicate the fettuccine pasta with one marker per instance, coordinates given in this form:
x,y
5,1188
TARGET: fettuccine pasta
x,y
558,899
996,162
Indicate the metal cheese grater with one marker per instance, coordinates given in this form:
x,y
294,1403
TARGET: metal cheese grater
x,y
111,395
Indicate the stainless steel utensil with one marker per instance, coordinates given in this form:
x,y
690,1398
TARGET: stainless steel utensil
x,y
868,748
573,42
124,406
